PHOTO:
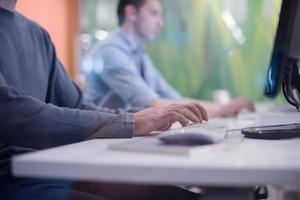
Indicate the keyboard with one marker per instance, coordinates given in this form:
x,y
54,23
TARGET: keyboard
x,y
216,128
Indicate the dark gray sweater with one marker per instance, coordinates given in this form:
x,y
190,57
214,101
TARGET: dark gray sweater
x,y
40,107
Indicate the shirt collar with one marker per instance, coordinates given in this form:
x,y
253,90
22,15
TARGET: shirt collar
x,y
4,11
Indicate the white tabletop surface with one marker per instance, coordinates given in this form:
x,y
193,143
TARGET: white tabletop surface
x,y
237,161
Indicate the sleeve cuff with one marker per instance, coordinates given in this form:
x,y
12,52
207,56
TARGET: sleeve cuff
x,y
120,126
145,99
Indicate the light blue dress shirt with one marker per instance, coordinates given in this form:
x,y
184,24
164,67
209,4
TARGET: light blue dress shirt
x,y
120,74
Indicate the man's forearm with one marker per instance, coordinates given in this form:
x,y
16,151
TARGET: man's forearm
x,y
28,122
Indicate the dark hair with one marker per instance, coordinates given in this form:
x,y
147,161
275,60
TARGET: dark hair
x,y
122,5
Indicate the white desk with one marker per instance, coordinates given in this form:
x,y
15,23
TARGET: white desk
x,y
249,162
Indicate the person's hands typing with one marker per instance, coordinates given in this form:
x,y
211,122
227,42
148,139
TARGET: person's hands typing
x,y
161,118
234,107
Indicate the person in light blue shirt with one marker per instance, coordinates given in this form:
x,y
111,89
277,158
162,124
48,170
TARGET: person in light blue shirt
x,y
120,73
123,75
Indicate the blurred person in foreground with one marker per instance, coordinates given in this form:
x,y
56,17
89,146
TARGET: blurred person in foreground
x,y
122,75
42,108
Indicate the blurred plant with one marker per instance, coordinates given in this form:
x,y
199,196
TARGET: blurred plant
x,y
205,45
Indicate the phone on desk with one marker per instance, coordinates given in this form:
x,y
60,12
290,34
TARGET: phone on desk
x,y
274,132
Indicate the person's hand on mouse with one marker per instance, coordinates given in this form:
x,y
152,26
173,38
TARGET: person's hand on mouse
x,y
234,107
161,118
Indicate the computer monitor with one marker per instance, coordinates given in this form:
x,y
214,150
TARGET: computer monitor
x,y
283,69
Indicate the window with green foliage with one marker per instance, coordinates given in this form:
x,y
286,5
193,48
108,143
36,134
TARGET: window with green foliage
x,y
205,44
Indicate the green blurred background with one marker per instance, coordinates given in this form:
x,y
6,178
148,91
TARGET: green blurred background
x,y
205,45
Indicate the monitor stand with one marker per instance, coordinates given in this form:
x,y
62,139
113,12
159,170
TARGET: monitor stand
x,y
291,83
291,90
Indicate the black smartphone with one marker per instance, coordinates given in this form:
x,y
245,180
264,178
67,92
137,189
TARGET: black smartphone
x,y
275,132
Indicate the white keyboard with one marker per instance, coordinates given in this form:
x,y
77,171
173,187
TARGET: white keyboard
x,y
216,128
